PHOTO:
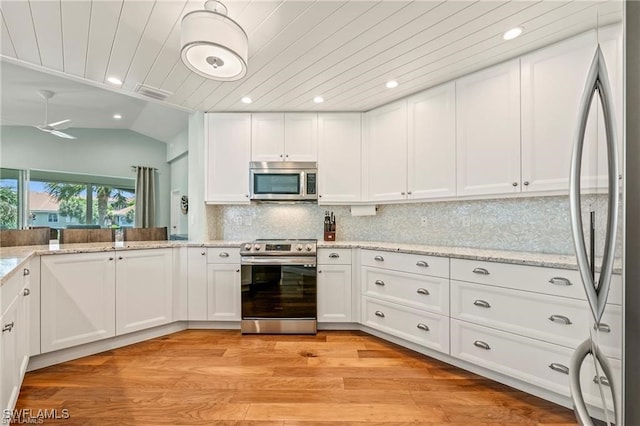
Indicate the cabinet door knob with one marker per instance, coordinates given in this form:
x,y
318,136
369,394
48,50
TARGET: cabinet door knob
x,y
525,183
120,258
379,314
379,258
111,258
560,319
319,271
319,196
422,326
482,303
203,253
237,270
246,195
408,192
287,156
280,155
515,184
422,291
480,271
8,327
26,292
26,271
482,345
402,193
380,283
559,368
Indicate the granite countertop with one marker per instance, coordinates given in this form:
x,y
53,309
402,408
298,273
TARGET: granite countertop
x,y
13,258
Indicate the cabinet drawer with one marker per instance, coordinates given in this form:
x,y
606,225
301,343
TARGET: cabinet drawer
x,y
559,282
426,329
558,320
414,263
529,360
223,255
327,256
417,291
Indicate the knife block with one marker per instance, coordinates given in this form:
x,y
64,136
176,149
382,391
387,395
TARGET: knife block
x,y
330,236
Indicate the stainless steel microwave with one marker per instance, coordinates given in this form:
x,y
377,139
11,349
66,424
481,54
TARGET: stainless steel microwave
x,y
284,181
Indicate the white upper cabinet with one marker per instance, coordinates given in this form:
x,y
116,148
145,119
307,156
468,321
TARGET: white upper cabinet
x,y
385,150
284,137
553,80
228,148
301,137
432,143
339,157
488,131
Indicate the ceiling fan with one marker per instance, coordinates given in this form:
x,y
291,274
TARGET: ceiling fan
x,y
53,128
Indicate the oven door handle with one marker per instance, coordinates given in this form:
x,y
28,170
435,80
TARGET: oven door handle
x,y
279,260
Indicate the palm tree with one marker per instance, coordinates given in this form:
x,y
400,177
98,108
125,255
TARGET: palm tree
x,y
66,191
8,208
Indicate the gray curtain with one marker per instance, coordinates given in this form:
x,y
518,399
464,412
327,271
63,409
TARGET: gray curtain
x,y
145,197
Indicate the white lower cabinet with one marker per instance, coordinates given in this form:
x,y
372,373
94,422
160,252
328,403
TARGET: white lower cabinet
x,y
223,287
9,361
197,284
334,293
143,289
424,328
78,291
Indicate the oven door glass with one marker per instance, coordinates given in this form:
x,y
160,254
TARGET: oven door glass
x,y
278,291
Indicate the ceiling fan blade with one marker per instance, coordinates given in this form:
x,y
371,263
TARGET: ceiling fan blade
x,y
45,128
59,124
62,134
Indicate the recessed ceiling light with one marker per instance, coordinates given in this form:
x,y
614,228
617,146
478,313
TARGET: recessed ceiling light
x,y
117,116
318,99
246,100
391,84
512,33
115,81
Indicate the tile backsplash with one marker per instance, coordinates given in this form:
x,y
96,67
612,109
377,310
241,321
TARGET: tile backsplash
x,y
536,224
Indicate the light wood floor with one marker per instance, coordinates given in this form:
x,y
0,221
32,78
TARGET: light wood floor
x,y
207,377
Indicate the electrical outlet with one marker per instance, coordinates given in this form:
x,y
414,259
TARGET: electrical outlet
x,y
424,221
237,220
466,221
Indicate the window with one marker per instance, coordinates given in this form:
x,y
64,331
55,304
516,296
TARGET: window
x,y
82,200
11,199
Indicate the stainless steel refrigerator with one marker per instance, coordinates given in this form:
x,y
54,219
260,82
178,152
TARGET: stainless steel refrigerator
x,y
606,230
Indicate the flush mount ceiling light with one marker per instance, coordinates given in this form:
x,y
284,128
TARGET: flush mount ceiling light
x,y
246,100
212,44
318,99
117,116
391,84
512,33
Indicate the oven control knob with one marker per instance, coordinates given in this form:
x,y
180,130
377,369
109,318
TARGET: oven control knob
x,y
256,247
299,247
308,247
247,247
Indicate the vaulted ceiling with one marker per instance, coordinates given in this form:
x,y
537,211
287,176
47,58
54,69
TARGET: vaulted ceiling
x,y
344,51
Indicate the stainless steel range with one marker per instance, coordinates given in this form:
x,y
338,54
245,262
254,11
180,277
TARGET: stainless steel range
x,y
279,287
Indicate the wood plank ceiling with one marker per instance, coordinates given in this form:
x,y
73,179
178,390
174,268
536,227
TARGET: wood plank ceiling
x,y
344,51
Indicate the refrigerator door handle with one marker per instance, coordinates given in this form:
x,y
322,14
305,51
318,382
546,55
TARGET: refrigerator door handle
x,y
597,81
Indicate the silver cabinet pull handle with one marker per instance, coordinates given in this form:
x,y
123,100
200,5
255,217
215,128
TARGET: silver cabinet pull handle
x,y
602,327
422,326
203,253
380,283
237,270
560,281
8,327
379,314
379,258
402,193
560,319
423,291
482,345
26,271
482,303
559,368
120,258
422,263
26,292
603,380
223,254
480,271
515,184
334,256
319,271
111,258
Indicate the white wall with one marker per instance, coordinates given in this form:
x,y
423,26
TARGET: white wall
x,y
179,181
103,152
198,228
